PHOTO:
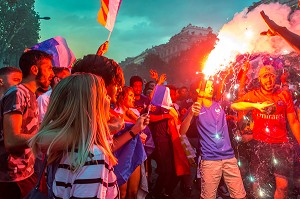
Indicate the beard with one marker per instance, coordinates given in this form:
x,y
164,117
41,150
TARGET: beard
x,y
268,88
42,81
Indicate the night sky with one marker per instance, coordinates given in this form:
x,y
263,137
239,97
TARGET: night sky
x,y
140,24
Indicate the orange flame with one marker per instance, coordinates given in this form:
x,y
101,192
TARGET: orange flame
x,y
225,52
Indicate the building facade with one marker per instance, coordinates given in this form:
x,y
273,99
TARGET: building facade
x,y
178,43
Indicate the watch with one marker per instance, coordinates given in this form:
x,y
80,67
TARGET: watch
x,y
132,134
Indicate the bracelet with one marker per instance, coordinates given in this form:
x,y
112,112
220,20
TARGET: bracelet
x,y
132,134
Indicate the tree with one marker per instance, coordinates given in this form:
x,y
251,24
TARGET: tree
x,y
183,68
130,70
19,29
153,61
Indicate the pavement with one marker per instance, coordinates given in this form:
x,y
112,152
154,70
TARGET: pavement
x,y
195,194
178,194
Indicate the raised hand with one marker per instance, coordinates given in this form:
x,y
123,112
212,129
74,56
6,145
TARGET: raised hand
x,y
195,109
103,48
162,79
153,74
141,123
264,107
273,27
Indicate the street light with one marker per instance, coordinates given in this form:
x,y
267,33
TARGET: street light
x,y
45,18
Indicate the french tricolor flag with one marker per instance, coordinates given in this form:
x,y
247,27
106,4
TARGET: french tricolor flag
x,y
161,97
58,48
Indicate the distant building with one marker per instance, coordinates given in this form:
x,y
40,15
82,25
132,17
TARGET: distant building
x,y
180,42
294,4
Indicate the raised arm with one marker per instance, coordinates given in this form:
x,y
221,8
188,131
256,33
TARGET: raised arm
x,y
103,48
194,110
140,125
274,29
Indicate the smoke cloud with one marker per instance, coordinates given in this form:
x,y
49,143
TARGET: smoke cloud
x,y
246,27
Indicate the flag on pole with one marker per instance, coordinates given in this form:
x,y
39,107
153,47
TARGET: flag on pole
x,y
108,13
59,49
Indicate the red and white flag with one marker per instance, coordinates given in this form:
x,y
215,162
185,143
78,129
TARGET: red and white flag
x,y
108,13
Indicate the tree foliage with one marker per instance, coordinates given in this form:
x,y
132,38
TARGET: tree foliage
x,y
180,70
19,29
151,61
183,68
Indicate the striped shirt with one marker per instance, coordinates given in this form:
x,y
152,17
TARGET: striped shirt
x,y
96,179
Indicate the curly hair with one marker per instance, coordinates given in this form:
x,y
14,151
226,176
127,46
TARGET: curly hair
x,y
108,69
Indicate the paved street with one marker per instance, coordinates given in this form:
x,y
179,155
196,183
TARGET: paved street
x,y
178,193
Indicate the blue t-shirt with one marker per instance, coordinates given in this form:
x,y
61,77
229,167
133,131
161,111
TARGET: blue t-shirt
x,y
142,104
213,130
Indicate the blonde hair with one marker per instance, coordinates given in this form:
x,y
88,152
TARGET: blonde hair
x,y
77,112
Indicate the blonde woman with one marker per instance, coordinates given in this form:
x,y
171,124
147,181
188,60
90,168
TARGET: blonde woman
x,y
77,116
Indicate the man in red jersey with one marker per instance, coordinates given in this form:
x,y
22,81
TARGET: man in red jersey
x,y
271,110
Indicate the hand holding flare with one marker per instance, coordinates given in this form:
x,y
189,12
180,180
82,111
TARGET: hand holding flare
x,y
200,91
195,109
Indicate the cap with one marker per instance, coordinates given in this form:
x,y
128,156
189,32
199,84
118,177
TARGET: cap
x,y
268,69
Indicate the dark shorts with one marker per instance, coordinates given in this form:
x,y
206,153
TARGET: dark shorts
x,y
269,160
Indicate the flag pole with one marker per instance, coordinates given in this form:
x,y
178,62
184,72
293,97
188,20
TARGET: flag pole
x,y
109,35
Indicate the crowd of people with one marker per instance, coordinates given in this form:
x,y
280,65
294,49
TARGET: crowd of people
x,y
98,138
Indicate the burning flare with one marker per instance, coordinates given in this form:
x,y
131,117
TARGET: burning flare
x,y
242,35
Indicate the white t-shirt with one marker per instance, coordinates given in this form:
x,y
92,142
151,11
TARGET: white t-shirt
x,y
121,111
96,179
43,102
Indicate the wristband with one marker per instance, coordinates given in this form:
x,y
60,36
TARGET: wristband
x,y
132,134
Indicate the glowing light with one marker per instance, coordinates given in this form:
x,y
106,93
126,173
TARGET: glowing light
x,y
228,96
267,130
275,161
217,136
236,86
251,179
218,81
238,138
239,163
285,52
249,33
261,193
245,117
224,53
